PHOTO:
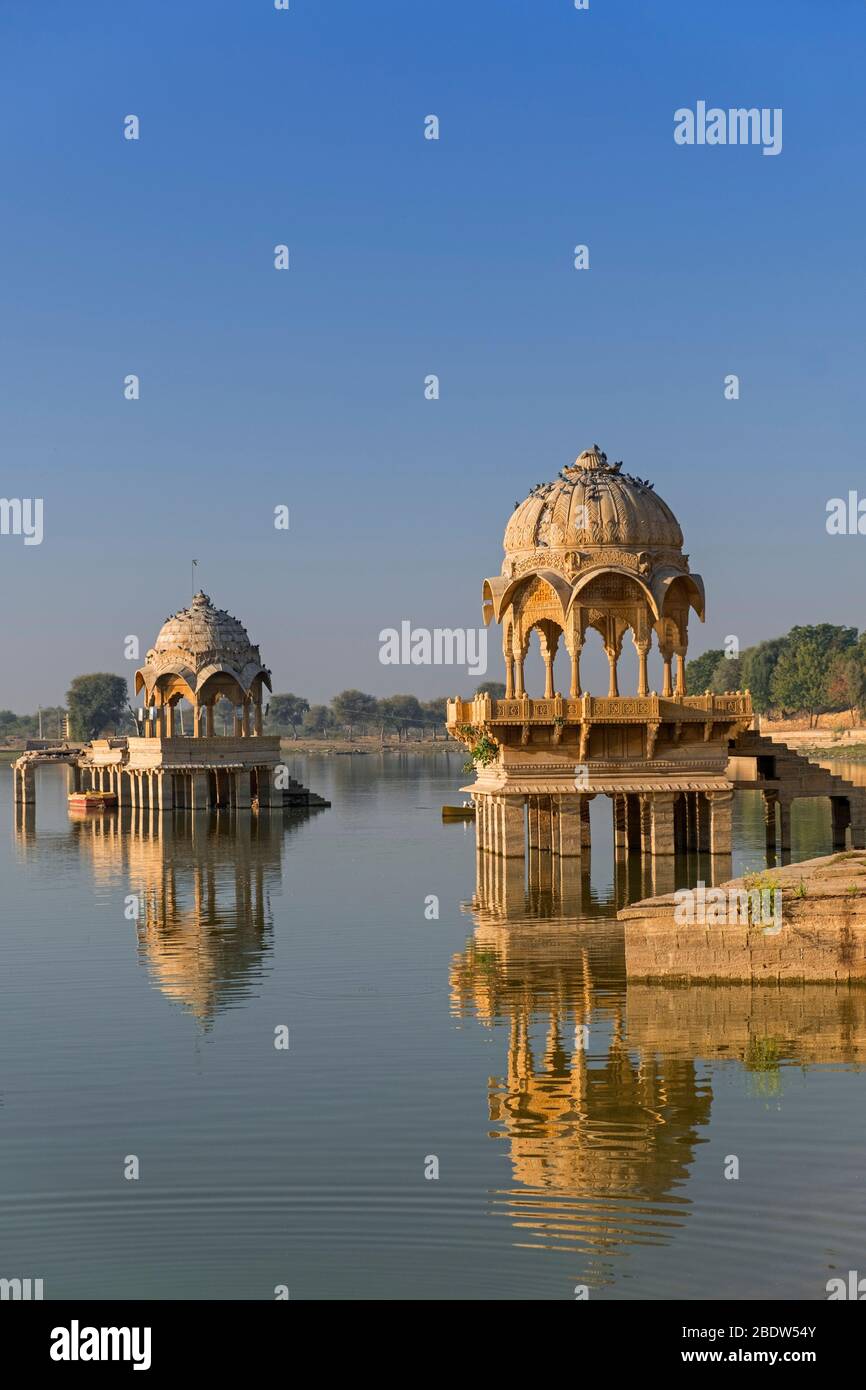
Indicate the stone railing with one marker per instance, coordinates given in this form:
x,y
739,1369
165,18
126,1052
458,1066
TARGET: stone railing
x,y
598,709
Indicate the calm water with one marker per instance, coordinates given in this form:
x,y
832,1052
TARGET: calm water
x,y
409,1038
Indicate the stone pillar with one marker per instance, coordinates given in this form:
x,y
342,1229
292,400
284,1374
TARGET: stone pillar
x,y
200,791
168,720
633,813
721,811
257,715
73,778
681,671
585,824
513,837
680,822
662,832
242,790
667,687
165,789
545,836
620,828
263,783
702,804
123,797
25,785
840,813
509,673
569,827
770,802
646,823
532,823
784,823
691,821
642,676
209,720
574,690
518,674
613,688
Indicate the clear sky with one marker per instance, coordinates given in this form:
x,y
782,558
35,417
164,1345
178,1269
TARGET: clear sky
x,y
410,257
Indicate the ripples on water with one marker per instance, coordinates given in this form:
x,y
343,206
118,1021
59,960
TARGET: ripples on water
x,y
581,1125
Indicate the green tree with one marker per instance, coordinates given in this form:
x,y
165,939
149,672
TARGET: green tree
x,y
435,712
286,712
699,671
846,681
495,689
96,703
726,675
757,665
400,712
318,721
799,681
353,708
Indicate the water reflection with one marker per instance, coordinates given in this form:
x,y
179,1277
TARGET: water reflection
x,y
605,1088
196,889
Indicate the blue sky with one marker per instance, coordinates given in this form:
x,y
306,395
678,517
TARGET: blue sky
x,y
411,257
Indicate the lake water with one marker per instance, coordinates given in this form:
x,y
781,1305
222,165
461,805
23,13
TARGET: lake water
x,y
411,1038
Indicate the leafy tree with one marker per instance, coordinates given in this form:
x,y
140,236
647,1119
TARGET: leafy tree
x,y
726,675
846,681
699,671
95,703
799,681
399,712
286,712
757,665
495,689
435,713
353,707
318,721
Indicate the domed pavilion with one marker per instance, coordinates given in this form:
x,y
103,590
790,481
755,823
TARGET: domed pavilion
x,y
598,550
203,654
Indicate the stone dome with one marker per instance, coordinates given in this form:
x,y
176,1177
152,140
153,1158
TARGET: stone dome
x,y
202,630
198,645
592,503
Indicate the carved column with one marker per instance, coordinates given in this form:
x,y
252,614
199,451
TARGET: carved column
x,y
612,656
508,656
642,645
545,837
681,671
585,825
200,791
667,686
620,833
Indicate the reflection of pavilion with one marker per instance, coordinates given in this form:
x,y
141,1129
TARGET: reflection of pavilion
x,y
599,1137
605,1085
202,886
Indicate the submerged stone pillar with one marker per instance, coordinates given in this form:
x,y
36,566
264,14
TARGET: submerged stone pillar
x,y
166,791
512,821
545,837
123,780
770,802
662,832
784,823
25,785
200,791
620,823
721,813
242,790
569,827
73,778
646,823
632,802
702,811
840,812
263,786
585,825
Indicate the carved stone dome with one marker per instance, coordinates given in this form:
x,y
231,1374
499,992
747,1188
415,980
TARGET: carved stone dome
x,y
592,503
202,630
198,645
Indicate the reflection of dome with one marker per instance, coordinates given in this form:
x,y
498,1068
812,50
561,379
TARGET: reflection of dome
x,y
198,643
592,503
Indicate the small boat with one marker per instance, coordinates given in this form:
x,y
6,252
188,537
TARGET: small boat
x,y
92,801
464,812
